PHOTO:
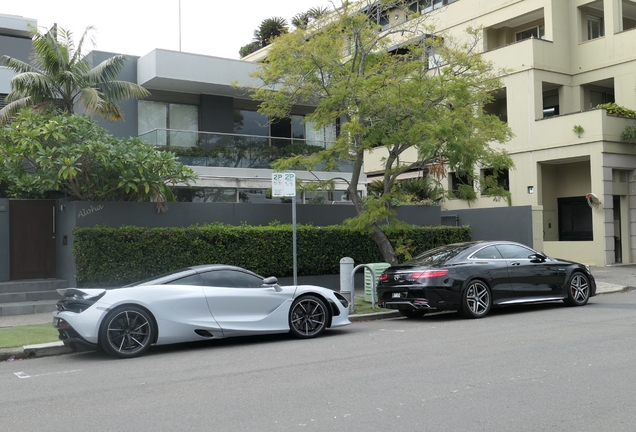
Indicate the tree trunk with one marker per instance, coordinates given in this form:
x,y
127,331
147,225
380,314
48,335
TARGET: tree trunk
x,y
378,236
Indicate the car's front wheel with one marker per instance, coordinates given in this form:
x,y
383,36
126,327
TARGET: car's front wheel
x,y
308,317
578,290
409,313
126,332
476,300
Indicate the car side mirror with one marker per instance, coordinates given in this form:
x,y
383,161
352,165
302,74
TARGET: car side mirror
x,y
272,280
537,257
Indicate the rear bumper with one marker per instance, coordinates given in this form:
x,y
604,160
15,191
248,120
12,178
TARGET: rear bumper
x,y
70,337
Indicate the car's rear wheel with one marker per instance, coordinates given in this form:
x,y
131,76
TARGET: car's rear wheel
x,y
409,313
476,300
308,317
126,332
578,290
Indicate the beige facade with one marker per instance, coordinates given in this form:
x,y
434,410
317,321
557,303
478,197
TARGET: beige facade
x,y
562,57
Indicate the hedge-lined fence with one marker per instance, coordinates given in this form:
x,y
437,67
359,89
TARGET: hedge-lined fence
x,y
107,256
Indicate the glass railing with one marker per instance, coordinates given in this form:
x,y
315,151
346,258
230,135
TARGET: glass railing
x,y
233,150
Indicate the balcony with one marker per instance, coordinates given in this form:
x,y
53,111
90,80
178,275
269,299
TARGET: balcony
x,y
195,148
528,54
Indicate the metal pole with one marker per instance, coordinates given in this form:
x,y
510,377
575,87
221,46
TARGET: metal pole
x,y
294,239
179,25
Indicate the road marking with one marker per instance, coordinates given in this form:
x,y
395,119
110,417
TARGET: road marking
x,y
23,375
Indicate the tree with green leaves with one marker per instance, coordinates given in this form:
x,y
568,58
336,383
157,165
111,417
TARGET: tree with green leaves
x,y
44,151
62,72
427,95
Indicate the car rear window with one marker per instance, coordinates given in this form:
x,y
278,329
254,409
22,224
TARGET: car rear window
x,y
438,255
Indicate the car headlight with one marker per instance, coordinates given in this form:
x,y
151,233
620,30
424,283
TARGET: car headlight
x,y
343,300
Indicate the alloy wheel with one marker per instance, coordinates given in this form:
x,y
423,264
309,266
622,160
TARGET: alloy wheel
x,y
128,333
308,317
477,300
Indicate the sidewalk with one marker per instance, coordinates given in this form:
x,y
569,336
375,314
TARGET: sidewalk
x,y
609,280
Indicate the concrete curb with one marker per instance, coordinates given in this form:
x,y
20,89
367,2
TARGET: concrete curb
x,y
374,316
34,351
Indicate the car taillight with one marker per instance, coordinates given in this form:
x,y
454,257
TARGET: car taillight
x,y
428,274
383,277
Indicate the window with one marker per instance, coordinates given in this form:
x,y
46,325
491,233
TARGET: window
x,y
205,194
429,5
510,251
489,252
501,178
600,97
174,125
188,280
595,27
537,32
575,219
459,181
231,279
250,123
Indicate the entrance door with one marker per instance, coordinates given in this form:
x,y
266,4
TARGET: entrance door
x,y
32,239
618,245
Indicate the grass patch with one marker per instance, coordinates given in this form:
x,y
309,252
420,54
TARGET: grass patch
x,y
27,335
364,307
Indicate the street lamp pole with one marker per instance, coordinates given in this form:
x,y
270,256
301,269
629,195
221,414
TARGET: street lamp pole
x,y
179,25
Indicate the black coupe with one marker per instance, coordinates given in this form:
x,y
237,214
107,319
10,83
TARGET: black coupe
x,y
473,277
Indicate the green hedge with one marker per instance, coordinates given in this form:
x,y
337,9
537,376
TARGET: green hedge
x,y
114,256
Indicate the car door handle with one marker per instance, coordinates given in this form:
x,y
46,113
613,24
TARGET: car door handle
x,y
515,263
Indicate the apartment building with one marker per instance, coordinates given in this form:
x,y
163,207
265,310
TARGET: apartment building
x,y
563,58
212,125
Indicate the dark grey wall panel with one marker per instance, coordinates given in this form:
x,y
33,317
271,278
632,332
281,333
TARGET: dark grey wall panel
x,y
217,114
501,223
128,127
508,223
419,215
5,273
19,48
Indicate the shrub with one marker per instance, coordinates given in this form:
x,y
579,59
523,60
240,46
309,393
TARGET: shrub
x,y
107,256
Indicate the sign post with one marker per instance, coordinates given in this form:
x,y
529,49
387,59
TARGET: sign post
x,y
284,185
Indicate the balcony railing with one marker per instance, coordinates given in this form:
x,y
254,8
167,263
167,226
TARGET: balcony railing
x,y
234,150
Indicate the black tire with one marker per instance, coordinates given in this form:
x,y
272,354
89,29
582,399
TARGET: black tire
x,y
476,300
578,290
127,332
308,317
409,313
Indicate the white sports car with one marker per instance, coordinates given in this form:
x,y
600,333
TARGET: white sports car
x,y
193,304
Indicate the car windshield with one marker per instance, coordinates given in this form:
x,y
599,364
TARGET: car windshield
x,y
439,256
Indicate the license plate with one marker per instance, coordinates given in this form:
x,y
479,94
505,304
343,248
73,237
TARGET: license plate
x,y
396,295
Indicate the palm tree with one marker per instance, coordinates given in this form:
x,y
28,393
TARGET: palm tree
x,y
60,72
269,29
303,19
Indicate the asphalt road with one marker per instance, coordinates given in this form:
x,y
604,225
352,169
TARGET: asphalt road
x,y
534,368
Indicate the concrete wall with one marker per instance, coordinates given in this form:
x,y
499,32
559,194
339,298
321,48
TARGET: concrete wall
x,y
4,240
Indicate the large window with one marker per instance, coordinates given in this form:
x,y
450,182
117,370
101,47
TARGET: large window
x,y
429,5
168,124
457,182
575,219
537,32
595,27
501,178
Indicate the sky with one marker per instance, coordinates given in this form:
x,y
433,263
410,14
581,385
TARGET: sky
x,y
136,27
